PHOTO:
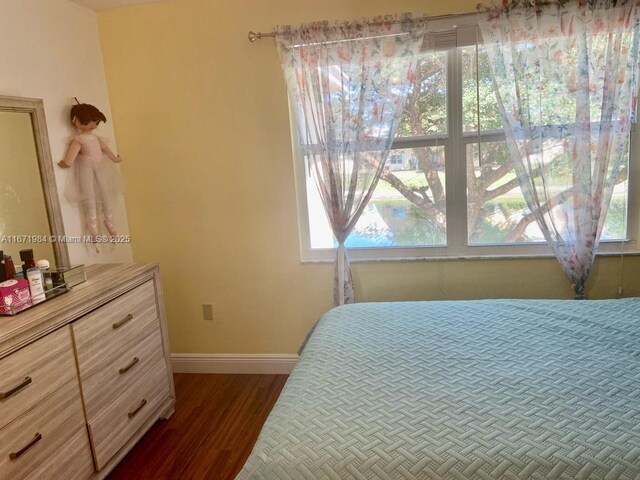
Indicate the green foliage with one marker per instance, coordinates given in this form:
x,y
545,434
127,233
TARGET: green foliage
x,y
482,92
492,216
425,111
409,224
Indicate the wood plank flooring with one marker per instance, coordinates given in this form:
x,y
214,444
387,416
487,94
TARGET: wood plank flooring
x,y
210,435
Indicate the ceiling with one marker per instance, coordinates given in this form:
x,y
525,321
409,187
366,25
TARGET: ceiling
x,y
104,4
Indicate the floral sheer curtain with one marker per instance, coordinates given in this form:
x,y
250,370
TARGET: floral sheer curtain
x,y
347,83
565,74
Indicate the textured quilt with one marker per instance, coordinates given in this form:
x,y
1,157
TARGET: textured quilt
x,y
488,389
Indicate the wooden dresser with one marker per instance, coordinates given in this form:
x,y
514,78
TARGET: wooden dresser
x,y
83,376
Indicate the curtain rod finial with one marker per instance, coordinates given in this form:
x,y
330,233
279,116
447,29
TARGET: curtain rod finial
x,y
253,36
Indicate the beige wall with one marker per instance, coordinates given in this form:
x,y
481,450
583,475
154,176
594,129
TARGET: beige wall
x,y
202,115
49,49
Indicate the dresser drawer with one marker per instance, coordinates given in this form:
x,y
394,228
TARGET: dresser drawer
x,y
103,332
111,429
30,374
101,387
72,461
35,435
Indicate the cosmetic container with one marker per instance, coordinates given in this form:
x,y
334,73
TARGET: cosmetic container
x,y
27,257
3,272
9,267
36,285
14,296
43,265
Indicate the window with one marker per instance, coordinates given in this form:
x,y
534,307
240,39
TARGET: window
x,y
449,188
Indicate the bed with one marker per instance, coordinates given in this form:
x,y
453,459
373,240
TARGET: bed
x,y
483,389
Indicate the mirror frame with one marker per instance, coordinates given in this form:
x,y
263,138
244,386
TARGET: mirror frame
x,y
35,108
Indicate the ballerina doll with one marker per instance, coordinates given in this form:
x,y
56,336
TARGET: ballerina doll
x,y
94,176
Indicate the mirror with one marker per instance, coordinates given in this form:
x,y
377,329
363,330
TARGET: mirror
x,y
29,207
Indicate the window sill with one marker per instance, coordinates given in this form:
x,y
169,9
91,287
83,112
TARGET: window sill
x,y
367,255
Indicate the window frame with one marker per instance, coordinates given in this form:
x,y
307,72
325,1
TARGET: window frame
x,y
463,30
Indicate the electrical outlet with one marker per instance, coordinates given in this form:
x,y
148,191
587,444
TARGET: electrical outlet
x,y
620,291
207,311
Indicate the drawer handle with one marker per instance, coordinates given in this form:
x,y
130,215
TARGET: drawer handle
x,y
138,408
16,389
23,450
128,367
126,319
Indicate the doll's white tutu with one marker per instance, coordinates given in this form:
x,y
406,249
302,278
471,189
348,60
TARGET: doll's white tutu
x,y
93,176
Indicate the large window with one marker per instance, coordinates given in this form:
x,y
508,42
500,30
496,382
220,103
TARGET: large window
x,y
448,188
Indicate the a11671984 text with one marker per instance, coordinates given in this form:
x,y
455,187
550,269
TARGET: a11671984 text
x,y
65,239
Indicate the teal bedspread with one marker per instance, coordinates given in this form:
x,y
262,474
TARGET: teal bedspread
x,y
487,389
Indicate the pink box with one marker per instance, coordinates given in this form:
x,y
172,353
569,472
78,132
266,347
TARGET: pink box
x,y
14,296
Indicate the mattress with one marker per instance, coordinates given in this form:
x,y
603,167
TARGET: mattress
x,y
487,389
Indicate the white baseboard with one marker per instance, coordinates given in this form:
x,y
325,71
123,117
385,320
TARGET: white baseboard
x,y
266,363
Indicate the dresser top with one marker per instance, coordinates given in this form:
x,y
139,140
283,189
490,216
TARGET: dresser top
x,y
104,283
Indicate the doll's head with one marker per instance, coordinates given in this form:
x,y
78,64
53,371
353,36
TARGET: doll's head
x,y
86,117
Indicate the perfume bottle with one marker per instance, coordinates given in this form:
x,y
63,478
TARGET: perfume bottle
x,y
27,257
3,272
9,267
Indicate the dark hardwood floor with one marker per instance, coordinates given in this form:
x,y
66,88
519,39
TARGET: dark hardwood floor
x,y
210,435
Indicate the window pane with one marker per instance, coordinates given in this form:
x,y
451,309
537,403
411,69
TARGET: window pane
x,y
489,114
407,208
615,225
425,111
496,209
319,229
410,197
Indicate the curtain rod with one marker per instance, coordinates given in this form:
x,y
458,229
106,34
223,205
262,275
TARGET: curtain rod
x,y
253,36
